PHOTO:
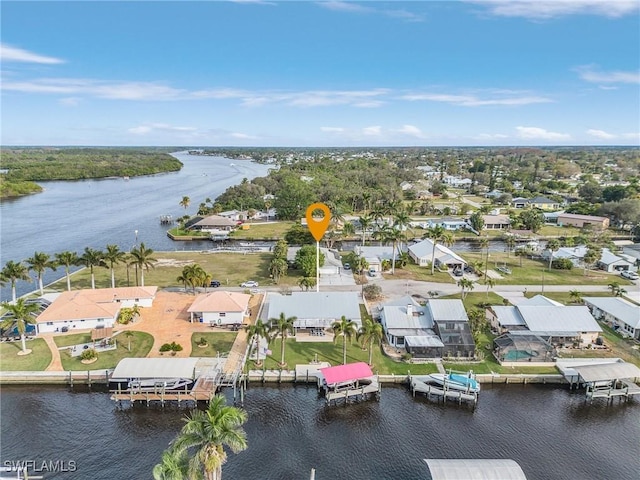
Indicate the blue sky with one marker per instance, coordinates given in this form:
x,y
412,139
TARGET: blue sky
x,y
269,73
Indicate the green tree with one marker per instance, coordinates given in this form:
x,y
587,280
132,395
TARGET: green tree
x,y
254,333
277,268
590,258
20,315
306,260
369,334
299,235
67,259
575,296
306,283
553,245
365,223
490,283
465,285
129,334
532,219
206,434
143,258
282,327
510,241
39,263
185,202
435,235
476,221
92,258
113,256
12,272
174,465
346,329
281,249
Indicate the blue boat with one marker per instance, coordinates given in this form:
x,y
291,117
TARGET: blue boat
x,y
455,381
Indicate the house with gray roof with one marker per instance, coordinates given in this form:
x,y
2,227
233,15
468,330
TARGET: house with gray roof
x,y
452,326
622,315
558,324
422,253
374,255
313,310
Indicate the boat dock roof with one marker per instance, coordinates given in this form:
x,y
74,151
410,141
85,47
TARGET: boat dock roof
x,y
155,368
346,373
475,469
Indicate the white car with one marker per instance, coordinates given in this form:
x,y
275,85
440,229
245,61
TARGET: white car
x,y
629,275
249,284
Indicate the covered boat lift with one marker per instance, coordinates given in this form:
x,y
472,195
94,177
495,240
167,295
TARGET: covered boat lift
x,y
609,380
348,381
475,469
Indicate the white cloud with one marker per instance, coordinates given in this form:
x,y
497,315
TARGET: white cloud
x,y
243,136
491,136
374,131
536,133
600,134
332,129
70,101
505,98
589,73
352,7
13,54
411,130
152,128
545,9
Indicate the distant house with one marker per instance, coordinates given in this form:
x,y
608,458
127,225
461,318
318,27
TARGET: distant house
x,y
496,222
220,308
422,253
92,308
608,261
212,223
457,182
375,255
313,310
623,316
406,186
582,221
235,215
544,203
520,202
633,252
449,224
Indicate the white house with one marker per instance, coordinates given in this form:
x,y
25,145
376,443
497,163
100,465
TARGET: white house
x,y
220,308
93,308
375,255
422,253
407,324
313,310
451,224
610,262
622,315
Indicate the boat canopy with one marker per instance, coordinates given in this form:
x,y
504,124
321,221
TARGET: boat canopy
x,y
155,368
475,469
346,373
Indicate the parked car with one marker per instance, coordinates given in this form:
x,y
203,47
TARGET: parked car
x,y
629,275
250,284
469,269
214,283
458,272
347,266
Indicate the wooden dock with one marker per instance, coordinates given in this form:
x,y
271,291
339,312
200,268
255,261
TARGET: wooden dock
x,y
353,393
444,393
622,389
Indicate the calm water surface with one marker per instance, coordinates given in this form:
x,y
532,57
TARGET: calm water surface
x,y
549,431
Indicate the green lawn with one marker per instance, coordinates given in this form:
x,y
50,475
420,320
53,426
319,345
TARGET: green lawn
x,y
72,339
141,344
271,230
217,343
305,352
412,271
37,360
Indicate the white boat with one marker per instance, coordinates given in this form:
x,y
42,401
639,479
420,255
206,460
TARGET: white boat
x,y
455,381
155,384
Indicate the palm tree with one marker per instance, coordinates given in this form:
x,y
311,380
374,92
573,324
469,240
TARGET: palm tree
x,y
510,241
434,234
394,236
575,296
347,329
142,257
12,272
206,433
465,284
112,256
283,327
20,314
67,259
92,258
490,283
173,465
371,332
484,243
185,202
39,263
615,288
277,268
306,283
553,246
365,222
255,332
129,335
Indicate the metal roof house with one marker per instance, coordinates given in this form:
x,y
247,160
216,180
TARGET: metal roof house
x,y
622,315
452,326
313,309
422,253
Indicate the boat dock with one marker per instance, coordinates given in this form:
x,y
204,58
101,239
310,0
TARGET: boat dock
x,y
608,380
354,392
353,381
421,384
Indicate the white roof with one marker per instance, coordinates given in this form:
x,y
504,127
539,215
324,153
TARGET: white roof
x,y
379,253
508,316
447,310
315,305
617,307
558,319
155,368
475,469
423,341
540,300
397,317
425,249
607,371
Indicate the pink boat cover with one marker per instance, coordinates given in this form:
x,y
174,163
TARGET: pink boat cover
x,y
346,373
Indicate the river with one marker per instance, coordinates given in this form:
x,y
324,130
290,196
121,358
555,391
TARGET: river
x,y
94,213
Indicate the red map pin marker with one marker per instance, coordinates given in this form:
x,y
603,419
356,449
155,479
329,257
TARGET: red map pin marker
x,y
317,226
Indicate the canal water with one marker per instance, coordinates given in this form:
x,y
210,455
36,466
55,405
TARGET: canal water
x,y
551,432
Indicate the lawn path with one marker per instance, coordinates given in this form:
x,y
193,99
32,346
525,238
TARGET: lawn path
x,y
56,363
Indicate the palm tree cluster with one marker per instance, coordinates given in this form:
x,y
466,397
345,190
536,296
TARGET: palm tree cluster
x,y
198,451
279,265
194,276
20,315
140,256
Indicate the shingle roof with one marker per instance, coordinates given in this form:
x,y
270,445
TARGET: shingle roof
x,y
220,301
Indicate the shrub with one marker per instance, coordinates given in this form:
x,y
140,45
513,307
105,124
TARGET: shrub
x,y
562,264
89,354
171,347
202,341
